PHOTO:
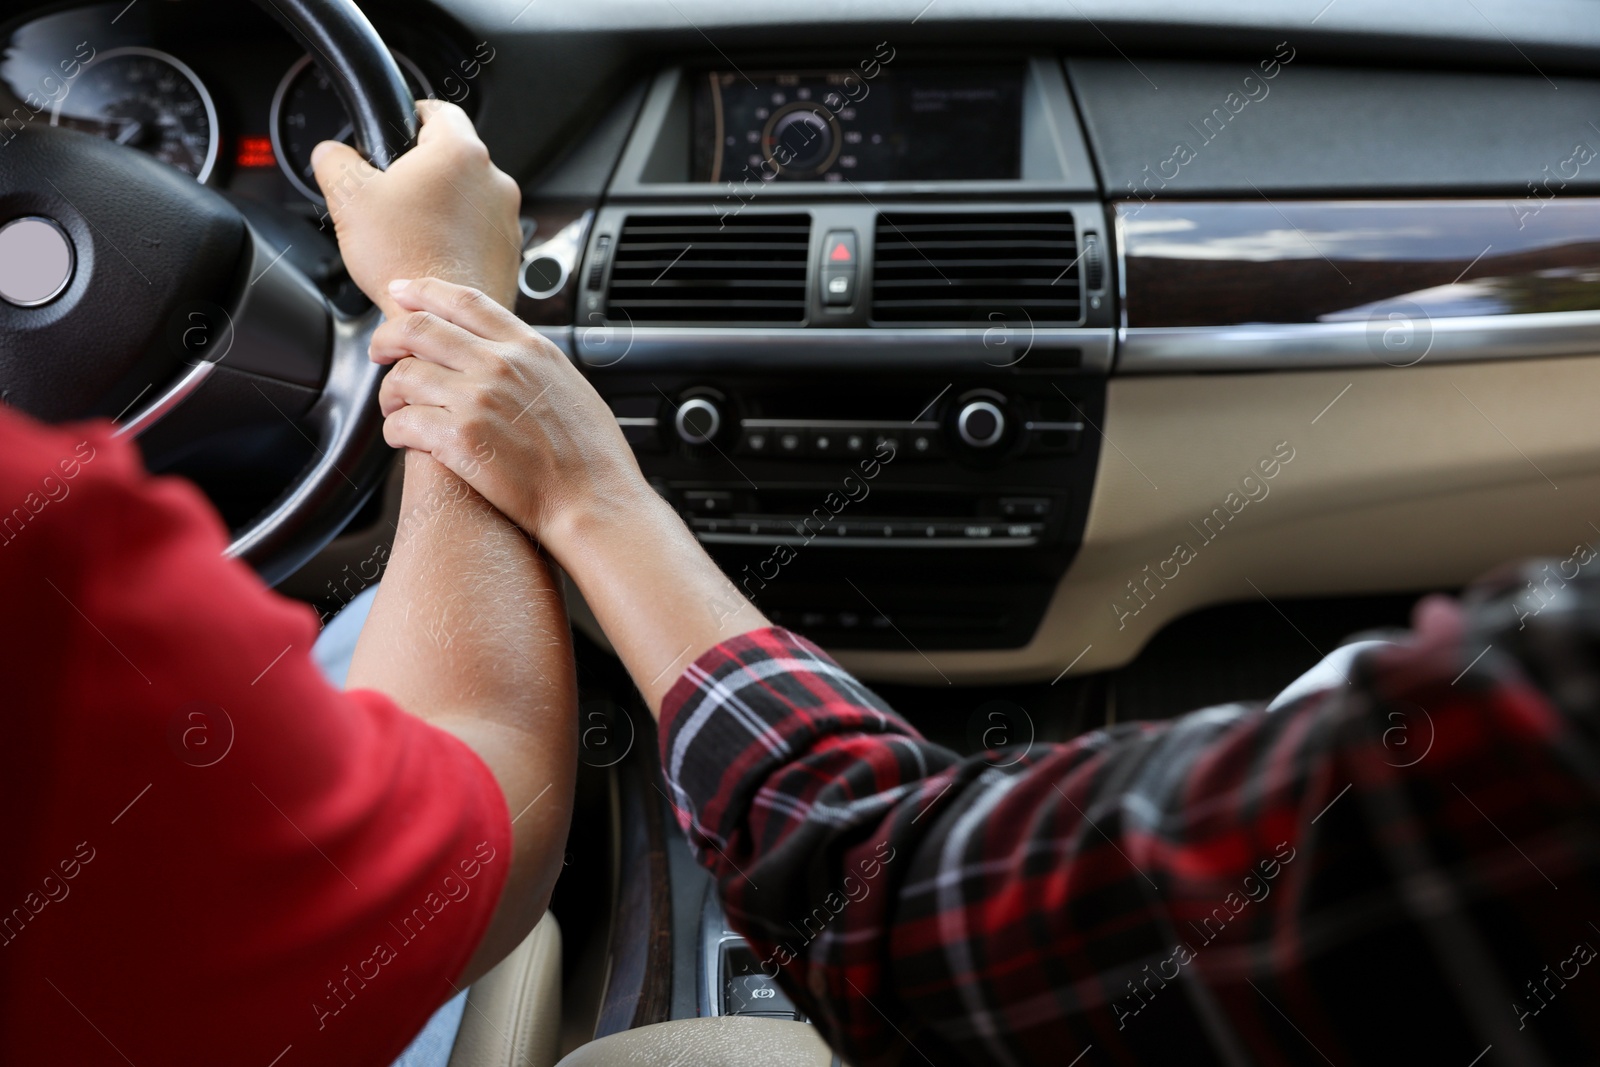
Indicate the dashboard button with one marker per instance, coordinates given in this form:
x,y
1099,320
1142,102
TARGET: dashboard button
x,y
826,443
1025,507
708,502
838,288
854,442
791,443
746,988
839,250
840,256
643,434
699,420
981,424
923,445
756,443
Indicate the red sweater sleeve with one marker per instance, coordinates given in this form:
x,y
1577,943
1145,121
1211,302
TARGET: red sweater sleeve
x,y
210,854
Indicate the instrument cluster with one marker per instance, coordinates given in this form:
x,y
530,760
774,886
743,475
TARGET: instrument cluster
x,y
216,90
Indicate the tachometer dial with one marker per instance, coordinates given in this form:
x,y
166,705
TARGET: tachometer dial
x,y
307,111
148,100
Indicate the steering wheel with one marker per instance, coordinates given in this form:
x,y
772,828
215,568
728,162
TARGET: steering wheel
x,y
141,257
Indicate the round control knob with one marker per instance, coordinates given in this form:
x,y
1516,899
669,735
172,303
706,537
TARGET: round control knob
x,y
698,420
981,424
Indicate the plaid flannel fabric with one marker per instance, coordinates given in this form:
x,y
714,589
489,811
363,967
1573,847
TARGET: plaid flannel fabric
x,y
1403,869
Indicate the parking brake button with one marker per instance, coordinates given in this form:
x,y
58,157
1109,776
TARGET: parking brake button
x,y
747,989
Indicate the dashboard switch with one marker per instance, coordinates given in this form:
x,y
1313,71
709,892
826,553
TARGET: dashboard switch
x,y
1025,507
838,287
746,988
840,256
840,250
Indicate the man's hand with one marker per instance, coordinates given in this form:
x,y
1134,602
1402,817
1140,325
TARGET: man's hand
x,y
441,209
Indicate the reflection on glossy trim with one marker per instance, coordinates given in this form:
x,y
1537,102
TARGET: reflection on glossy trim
x,y
1398,340
1084,349
1257,262
164,404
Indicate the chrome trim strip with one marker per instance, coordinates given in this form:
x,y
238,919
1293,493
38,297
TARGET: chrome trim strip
x,y
713,968
1053,427
1296,346
1118,224
869,542
833,424
648,421
163,405
704,348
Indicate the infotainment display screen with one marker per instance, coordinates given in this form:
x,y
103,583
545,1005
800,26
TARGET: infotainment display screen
x,y
924,124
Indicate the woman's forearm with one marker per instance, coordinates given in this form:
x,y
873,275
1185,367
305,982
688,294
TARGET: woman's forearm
x,y
660,599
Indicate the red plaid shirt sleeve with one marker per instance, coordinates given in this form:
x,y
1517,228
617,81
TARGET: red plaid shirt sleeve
x,y
1405,868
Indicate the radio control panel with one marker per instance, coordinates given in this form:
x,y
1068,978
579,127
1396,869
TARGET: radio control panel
x,y
876,508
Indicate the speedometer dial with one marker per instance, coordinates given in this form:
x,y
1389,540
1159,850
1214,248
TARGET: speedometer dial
x,y
307,111
147,100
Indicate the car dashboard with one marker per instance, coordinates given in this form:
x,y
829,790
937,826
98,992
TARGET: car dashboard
x,y
961,357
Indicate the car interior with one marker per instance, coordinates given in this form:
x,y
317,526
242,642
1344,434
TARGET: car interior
x,y
1051,365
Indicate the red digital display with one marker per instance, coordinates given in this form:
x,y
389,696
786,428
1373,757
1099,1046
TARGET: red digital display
x,y
256,152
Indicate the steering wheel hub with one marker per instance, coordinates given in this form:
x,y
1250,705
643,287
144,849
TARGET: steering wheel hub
x,y
138,239
36,261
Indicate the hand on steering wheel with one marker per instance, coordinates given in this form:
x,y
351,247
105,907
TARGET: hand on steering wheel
x,y
440,210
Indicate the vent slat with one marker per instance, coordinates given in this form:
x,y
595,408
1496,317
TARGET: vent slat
x,y
963,268
676,269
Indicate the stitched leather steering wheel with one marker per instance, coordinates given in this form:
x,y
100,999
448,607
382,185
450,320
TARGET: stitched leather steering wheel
x,y
147,245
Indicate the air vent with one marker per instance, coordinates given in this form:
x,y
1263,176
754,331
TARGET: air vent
x,y
959,269
678,269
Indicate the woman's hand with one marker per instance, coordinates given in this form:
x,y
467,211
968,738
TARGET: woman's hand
x,y
441,209
503,408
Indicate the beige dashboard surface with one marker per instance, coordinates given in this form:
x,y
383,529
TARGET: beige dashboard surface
x,y
1400,479
724,1041
513,1013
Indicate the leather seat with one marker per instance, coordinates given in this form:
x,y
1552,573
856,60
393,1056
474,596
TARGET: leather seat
x,y
726,1041
513,1013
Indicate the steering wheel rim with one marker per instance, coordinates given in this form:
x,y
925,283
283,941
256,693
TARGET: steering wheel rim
x,y
279,309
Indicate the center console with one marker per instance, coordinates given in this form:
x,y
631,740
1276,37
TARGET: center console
x,y
856,322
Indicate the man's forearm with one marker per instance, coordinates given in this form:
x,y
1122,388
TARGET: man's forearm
x,y
469,631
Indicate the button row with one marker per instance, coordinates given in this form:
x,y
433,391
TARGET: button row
x,y
870,530
829,620
823,443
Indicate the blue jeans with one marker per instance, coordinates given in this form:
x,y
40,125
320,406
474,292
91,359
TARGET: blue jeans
x,y
334,647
